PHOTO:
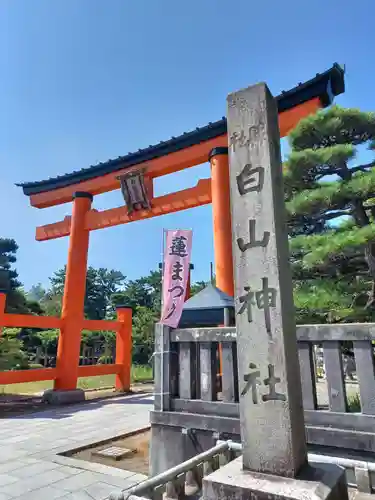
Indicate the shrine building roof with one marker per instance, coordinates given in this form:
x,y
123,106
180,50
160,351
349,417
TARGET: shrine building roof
x,y
206,308
324,86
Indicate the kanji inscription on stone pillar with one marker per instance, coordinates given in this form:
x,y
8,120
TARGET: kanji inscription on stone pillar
x,y
271,414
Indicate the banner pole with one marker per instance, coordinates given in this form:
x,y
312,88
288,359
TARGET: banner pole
x,y
162,270
162,361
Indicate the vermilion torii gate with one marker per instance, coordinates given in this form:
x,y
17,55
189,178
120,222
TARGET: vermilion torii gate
x,y
208,143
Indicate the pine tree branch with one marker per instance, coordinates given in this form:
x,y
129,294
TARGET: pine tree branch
x,y
359,213
363,168
334,215
332,171
353,170
319,249
333,126
313,164
333,195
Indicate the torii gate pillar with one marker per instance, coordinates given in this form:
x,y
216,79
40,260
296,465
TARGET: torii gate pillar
x,y
220,192
74,296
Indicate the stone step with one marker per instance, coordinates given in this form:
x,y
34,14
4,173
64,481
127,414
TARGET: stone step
x,y
348,439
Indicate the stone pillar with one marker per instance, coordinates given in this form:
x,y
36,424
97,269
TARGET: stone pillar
x,y
269,376
74,296
166,448
274,462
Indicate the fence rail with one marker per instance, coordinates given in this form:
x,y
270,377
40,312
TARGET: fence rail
x,y
42,374
182,480
189,392
118,362
29,321
23,376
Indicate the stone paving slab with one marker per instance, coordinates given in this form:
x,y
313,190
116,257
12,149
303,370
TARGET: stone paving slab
x,y
30,467
114,452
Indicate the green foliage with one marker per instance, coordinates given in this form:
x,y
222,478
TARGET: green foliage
x,y
141,373
48,340
197,287
36,293
337,195
143,334
142,292
51,303
319,248
331,301
8,276
103,337
11,353
16,301
305,168
14,341
330,217
354,403
35,366
101,284
103,293
333,126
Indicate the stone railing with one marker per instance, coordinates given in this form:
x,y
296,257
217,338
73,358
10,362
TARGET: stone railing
x,y
187,390
182,481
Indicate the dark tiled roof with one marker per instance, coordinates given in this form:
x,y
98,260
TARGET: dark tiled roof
x,y
206,308
210,297
325,86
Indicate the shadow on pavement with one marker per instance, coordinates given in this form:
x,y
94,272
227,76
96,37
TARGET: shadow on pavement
x,y
34,408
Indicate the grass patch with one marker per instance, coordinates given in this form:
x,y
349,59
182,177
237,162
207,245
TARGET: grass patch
x,y
139,373
98,382
354,403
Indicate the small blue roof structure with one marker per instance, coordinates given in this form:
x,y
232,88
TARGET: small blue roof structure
x,y
206,308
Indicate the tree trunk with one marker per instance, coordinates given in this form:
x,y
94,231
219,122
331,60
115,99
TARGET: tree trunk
x,y
362,219
370,258
359,213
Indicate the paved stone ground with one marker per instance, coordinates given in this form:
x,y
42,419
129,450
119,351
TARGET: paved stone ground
x,y
30,467
322,392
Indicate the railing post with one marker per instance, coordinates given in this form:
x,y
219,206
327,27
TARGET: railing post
x,y
3,298
163,379
124,347
74,296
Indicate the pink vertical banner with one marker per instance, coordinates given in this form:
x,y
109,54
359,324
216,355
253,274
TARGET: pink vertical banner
x,y
175,275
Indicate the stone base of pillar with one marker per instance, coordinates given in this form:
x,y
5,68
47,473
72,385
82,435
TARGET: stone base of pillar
x,y
317,481
63,397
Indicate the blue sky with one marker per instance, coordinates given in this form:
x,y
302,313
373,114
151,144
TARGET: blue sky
x,y
83,81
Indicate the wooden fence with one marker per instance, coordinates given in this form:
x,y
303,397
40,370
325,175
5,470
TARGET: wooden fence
x,y
188,395
121,367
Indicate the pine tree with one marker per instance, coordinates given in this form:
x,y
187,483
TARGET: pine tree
x,y
12,355
17,301
331,212
101,284
8,276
